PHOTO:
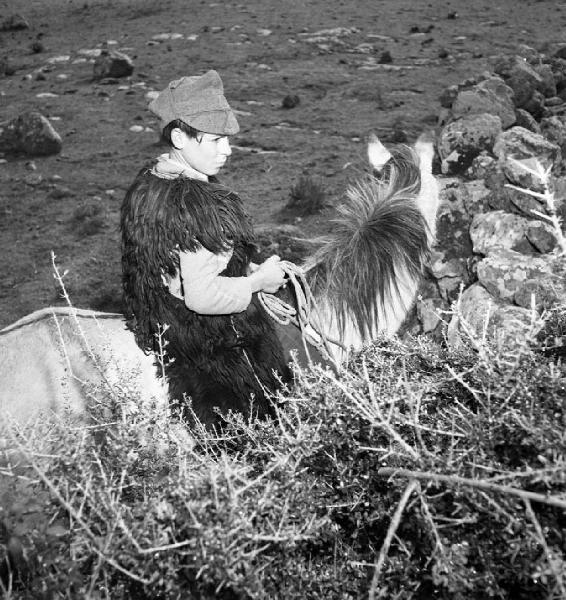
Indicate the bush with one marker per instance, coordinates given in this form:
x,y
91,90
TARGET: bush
x,y
418,472
88,219
307,197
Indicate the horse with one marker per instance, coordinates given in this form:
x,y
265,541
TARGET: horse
x,y
364,278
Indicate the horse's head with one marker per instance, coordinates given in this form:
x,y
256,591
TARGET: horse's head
x,y
366,274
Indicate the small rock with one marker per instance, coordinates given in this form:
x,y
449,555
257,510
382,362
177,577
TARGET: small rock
x,y
448,95
290,101
452,15
89,52
137,128
30,133
112,64
14,23
554,101
37,47
54,60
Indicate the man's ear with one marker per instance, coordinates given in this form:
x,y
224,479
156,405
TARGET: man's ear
x,y
178,138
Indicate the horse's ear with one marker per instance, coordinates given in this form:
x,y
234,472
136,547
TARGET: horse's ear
x,y
424,147
378,154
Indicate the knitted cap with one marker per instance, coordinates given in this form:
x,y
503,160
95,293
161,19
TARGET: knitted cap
x,y
197,101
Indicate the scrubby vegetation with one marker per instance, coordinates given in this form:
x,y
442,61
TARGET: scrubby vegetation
x,y
417,472
306,197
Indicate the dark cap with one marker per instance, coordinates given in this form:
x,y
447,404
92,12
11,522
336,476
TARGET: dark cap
x,y
197,101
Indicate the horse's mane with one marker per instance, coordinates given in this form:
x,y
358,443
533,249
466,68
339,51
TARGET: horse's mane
x,y
378,238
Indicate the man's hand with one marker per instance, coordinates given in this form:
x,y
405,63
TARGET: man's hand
x,y
269,276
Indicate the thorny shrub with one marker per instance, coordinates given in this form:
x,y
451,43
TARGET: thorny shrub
x,y
302,507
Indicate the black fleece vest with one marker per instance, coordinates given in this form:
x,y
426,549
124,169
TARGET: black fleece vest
x,y
224,361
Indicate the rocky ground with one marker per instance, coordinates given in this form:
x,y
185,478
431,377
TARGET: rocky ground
x,y
309,80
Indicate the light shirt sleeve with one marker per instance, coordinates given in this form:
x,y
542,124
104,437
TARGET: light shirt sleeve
x,y
205,291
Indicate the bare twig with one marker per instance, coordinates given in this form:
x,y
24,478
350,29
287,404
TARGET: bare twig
x,y
476,483
540,536
395,520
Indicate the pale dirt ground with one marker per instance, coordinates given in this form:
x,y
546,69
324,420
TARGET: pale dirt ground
x,y
262,51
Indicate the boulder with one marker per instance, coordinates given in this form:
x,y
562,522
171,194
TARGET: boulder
x,y
482,166
554,130
429,313
491,96
451,275
479,318
535,105
112,64
541,236
453,221
503,271
30,133
532,56
543,293
520,143
524,119
548,84
558,66
498,229
462,140
473,310
520,76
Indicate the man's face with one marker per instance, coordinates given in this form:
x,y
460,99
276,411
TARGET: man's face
x,y
206,153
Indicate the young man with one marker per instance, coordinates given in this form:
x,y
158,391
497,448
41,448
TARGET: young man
x,y
188,280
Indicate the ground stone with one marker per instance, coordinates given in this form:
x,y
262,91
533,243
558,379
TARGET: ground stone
x,y
30,133
112,64
14,22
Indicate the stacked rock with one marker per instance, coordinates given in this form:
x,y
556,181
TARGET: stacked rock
x,y
503,138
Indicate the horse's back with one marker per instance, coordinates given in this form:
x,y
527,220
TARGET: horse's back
x,y
51,360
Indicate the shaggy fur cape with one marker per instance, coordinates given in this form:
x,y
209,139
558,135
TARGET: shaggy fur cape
x,y
224,361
